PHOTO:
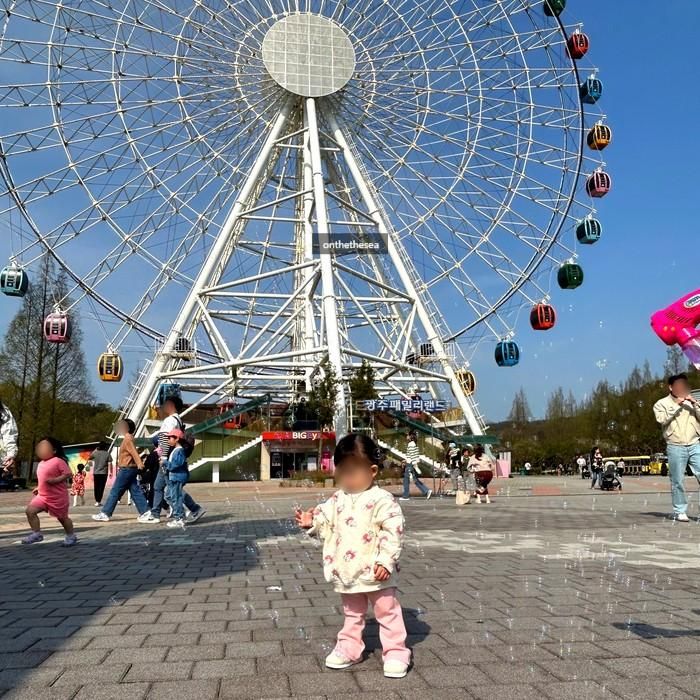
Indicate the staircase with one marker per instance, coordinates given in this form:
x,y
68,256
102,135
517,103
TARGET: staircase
x,y
228,456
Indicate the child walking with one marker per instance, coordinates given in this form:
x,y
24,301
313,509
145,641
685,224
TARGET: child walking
x,y
78,488
177,476
361,527
51,495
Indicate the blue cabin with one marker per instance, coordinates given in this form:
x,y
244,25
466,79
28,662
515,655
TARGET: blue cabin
x,y
14,281
507,353
166,391
588,231
591,91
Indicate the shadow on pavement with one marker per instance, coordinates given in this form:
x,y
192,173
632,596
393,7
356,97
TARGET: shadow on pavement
x,y
652,632
50,595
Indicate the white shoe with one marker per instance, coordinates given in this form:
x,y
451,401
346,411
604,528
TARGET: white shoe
x,y
682,518
478,499
488,500
148,517
338,661
98,505
404,498
101,517
193,517
427,498
395,669
176,523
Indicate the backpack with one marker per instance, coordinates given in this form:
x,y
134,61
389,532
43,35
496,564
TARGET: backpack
x,y
187,443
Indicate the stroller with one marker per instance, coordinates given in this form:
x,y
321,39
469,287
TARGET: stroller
x,y
609,481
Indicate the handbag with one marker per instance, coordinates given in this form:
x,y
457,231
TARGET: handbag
x,y
462,498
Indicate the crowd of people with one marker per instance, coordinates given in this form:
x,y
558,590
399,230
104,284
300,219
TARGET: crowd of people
x,y
154,481
157,480
470,471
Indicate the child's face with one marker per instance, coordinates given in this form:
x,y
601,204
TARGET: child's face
x,y
355,474
172,441
44,450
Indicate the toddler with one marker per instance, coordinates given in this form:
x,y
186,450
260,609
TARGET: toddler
x,y
361,527
78,488
51,495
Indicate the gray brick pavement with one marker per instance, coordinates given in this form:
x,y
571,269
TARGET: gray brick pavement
x,y
522,599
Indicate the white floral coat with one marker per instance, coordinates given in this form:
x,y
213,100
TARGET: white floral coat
x,y
359,531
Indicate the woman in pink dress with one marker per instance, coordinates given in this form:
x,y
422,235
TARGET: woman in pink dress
x,y
51,495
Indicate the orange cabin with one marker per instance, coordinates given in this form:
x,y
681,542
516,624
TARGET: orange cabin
x,y
232,423
599,137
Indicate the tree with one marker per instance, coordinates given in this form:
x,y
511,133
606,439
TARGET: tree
x,y
361,384
323,398
647,376
556,405
675,361
520,412
44,384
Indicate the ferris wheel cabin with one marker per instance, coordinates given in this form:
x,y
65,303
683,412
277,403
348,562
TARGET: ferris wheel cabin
x,y
14,281
598,184
599,137
57,327
553,8
591,91
467,381
110,367
588,231
543,317
507,353
577,45
570,276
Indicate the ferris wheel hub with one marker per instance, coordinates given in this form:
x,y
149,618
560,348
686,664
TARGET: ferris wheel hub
x,y
308,55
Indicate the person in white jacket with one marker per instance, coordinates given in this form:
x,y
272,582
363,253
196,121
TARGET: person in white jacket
x,y
8,439
362,528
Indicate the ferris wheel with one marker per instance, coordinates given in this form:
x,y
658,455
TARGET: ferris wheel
x,y
237,190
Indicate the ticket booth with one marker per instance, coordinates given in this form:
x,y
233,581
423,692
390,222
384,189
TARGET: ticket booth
x,y
287,453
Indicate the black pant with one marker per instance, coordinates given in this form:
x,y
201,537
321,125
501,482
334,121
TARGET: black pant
x,y
99,483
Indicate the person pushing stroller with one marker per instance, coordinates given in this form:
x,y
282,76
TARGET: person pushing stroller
x,y
610,481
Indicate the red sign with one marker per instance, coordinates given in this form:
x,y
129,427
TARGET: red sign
x,y
298,435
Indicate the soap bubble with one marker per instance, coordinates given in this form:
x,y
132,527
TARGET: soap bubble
x,y
601,364
612,425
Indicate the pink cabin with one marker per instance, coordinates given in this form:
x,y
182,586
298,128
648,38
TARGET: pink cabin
x,y
57,327
598,184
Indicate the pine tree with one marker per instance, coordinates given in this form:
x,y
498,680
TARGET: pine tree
x,y
520,412
323,398
556,405
361,384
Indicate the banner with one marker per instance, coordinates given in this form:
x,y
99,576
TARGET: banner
x,y
403,405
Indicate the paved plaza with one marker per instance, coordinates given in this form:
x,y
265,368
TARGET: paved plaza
x,y
568,594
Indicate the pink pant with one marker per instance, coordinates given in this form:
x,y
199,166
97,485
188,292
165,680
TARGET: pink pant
x,y
392,631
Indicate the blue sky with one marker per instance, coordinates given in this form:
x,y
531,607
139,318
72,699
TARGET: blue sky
x,y
647,255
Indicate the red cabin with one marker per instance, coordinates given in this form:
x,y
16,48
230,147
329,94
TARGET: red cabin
x,y
598,184
232,423
577,45
543,317
57,327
